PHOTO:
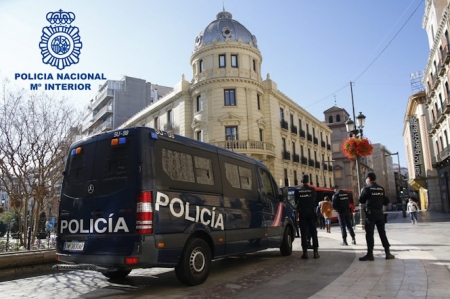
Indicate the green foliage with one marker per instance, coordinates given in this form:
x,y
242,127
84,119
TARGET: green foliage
x,y
6,216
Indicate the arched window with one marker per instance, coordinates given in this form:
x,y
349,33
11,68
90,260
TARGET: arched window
x,y
330,119
446,138
338,118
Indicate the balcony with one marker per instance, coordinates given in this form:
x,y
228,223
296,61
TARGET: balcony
x,y
316,140
325,166
311,162
105,126
104,95
104,112
294,129
322,143
284,124
444,154
317,164
446,56
330,168
296,158
329,147
302,134
286,155
247,147
309,137
304,161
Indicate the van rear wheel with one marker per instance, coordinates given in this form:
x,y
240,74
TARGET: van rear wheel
x,y
116,274
286,243
195,263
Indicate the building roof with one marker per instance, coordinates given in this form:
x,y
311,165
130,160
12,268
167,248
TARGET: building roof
x,y
222,28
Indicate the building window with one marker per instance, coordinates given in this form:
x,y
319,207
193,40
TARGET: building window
x,y
261,135
446,138
330,119
317,180
234,61
295,178
286,179
299,124
254,65
338,118
170,117
199,135
231,133
198,106
230,97
222,61
258,101
200,66
281,114
156,123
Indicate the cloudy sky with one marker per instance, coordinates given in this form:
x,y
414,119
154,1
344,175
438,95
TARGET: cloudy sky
x,y
311,49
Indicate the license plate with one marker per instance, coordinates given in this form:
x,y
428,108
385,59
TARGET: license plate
x,y
74,246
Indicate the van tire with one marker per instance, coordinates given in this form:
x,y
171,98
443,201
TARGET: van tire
x,y
286,243
116,274
195,263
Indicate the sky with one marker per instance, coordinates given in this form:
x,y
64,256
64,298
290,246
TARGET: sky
x,y
311,49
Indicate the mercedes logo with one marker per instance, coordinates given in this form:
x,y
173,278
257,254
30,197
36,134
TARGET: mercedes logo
x,y
90,189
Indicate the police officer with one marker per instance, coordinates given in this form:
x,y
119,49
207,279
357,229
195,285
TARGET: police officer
x,y
374,197
341,203
305,198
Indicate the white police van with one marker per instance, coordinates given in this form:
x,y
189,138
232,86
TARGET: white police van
x,y
141,198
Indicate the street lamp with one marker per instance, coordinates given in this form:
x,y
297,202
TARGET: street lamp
x,y
357,132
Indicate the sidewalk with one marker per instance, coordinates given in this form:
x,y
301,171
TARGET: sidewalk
x,y
420,268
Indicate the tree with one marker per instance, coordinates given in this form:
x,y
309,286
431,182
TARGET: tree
x,y
36,132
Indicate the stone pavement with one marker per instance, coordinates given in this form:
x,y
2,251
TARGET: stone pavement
x,y
421,268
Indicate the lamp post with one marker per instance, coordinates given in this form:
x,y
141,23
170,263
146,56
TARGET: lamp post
x,y
357,131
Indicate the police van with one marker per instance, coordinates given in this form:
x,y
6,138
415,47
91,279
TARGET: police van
x,y
141,198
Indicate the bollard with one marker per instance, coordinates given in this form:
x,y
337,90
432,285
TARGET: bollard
x,y
48,238
29,238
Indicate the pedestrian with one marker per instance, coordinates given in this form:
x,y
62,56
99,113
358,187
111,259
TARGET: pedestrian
x,y
305,198
374,197
327,211
320,218
412,210
341,203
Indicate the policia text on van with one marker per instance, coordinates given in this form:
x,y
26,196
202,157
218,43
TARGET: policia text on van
x,y
141,198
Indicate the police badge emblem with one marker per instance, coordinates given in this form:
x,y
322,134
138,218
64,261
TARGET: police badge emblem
x,y
60,42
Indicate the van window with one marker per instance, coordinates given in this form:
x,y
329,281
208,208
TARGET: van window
x,y
266,183
178,166
238,176
203,171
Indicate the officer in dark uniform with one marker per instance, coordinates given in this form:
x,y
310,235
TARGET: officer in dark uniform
x,y
341,203
373,196
305,198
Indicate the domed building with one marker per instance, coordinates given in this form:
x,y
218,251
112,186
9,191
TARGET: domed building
x,y
228,104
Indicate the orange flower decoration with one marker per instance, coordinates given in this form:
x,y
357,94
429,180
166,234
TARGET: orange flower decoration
x,y
353,147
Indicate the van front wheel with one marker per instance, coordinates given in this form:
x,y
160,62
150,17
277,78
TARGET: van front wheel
x,y
286,243
195,263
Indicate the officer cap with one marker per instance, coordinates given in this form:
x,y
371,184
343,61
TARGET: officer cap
x,y
305,178
335,187
371,176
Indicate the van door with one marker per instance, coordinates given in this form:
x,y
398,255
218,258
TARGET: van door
x,y
272,208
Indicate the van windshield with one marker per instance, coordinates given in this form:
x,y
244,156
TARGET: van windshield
x,y
110,167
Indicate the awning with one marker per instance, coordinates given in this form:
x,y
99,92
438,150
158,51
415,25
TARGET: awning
x,y
418,183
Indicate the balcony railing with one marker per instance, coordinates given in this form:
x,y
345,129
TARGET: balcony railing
x,y
302,134
284,124
286,155
106,125
294,129
296,158
311,162
329,147
246,145
445,153
304,161
316,140
322,143
317,164
325,166
309,137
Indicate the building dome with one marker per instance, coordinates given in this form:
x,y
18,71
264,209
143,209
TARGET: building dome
x,y
222,28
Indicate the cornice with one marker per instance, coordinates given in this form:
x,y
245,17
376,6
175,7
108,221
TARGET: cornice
x,y
436,42
225,79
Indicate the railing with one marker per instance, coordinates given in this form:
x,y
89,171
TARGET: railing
x,y
325,166
302,134
322,143
309,137
329,147
284,124
316,140
105,125
294,129
444,154
286,155
10,242
245,145
304,161
96,115
296,158
311,162
317,164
